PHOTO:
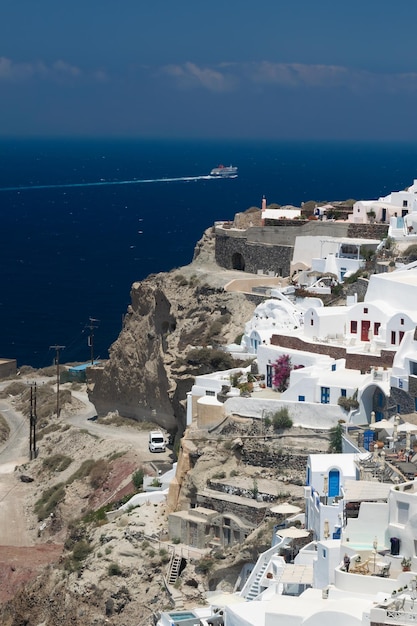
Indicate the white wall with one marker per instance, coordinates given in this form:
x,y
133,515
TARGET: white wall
x,y
305,414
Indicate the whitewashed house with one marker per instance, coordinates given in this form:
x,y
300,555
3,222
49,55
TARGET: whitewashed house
x,y
271,316
336,256
397,204
404,368
325,477
375,590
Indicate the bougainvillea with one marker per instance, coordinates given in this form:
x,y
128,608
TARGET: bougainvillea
x,y
281,372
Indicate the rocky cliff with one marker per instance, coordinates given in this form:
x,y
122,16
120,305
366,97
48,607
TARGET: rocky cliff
x,y
147,375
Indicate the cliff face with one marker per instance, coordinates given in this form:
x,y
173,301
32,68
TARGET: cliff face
x,y
146,377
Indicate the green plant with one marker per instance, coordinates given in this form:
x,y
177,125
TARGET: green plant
x,y
81,550
97,517
114,570
176,540
336,439
281,419
205,565
156,482
137,479
49,500
219,475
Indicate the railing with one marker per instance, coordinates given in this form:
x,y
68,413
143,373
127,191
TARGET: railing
x,y
402,617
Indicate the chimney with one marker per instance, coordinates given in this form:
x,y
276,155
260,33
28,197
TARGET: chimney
x,y
263,209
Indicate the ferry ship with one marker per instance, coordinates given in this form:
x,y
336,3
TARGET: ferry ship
x,y
224,172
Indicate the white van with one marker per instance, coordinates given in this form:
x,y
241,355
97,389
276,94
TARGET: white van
x,y
156,441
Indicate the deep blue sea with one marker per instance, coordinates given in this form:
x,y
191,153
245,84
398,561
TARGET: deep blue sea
x,y
71,249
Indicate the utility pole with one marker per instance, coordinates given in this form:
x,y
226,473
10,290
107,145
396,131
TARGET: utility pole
x,y
57,350
32,423
91,326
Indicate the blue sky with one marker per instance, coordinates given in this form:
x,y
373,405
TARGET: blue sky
x,y
281,69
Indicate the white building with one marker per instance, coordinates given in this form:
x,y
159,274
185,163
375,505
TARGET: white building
x,y
374,589
335,256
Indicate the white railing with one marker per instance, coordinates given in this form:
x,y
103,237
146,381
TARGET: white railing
x,y
402,617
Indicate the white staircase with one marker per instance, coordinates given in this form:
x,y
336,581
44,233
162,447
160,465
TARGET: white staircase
x,y
174,569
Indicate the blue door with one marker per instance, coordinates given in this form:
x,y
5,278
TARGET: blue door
x,y
325,395
334,483
269,375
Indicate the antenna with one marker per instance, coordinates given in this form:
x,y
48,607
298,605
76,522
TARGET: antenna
x,y
92,326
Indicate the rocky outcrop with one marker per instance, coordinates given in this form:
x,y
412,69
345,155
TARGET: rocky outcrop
x,y
146,376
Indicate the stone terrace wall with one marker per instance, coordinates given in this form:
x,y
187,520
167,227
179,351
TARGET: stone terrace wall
x,y
238,253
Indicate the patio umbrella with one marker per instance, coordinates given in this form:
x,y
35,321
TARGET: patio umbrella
x,y
382,425
285,508
292,532
407,428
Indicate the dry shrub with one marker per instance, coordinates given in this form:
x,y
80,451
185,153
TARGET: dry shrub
x,y
4,429
99,473
14,389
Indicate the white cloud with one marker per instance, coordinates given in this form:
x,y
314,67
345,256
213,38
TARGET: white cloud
x,y
191,75
19,72
222,77
232,76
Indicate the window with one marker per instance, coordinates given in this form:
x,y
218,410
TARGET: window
x,y
402,512
325,395
400,335
376,328
301,398
343,393
402,321
311,322
405,203
353,327
398,408
333,367
210,393
413,368
415,404
365,310
393,337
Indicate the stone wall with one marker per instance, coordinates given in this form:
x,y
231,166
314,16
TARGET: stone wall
x,y
367,231
362,362
248,510
402,400
270,248
238,253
